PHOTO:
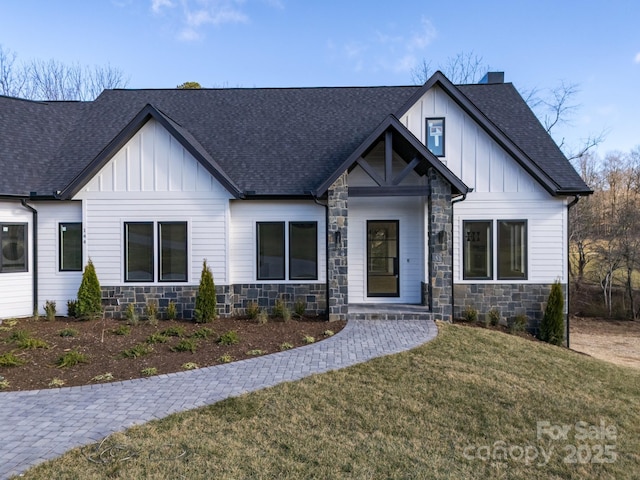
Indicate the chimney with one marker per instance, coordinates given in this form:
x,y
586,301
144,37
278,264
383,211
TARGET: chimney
x,y
493,77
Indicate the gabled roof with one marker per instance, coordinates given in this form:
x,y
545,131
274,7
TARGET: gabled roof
x,y
427,159
270,142
183,136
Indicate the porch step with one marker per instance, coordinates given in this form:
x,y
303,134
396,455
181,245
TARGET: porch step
x,y
388,311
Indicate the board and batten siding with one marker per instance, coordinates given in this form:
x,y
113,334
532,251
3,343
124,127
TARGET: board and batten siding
x,y
470,153
410,213
53,284
547,222
153,178
16,289
245,214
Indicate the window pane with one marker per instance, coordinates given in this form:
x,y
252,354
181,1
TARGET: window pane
x,y
13,242
512,249
71,247
303,251
139,252
271,251
173,252
477,250
435,136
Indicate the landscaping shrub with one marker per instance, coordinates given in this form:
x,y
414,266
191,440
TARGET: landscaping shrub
x,y
172,312
206,301
68,332
10,360
72,306
151,310
253,310
89,294
137,351
300,307
131,314
518,323
50,309
229,338
186,345
493,316
552,324
71,359
469,314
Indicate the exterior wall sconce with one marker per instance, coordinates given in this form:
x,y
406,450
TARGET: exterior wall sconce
x,y
442,236
337,238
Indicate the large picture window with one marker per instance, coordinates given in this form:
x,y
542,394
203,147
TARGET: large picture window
x,y
70,235
173,251
270,250
302,250
512,249
477,249
13,245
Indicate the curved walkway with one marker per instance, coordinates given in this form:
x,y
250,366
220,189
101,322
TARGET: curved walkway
x,y
42,424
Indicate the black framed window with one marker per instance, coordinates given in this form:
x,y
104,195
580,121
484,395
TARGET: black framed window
x,y
435,136
303,250
271,255
70,239
512,249
477,249
13,248
138,252
172,238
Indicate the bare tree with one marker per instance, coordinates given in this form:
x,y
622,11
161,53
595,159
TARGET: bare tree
x,y
464,67
54,80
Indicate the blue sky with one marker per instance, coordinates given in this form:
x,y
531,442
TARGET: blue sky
x,y
298,43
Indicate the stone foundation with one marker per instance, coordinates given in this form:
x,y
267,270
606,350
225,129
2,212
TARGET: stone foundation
x,y
509,299
232,300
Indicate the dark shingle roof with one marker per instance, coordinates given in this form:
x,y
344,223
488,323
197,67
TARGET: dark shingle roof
x,y
271,141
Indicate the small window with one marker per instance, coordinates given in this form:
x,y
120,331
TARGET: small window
x,y
13,242
173,251
512,249
303,250
435,136
270,250
138,252
70,247
477,250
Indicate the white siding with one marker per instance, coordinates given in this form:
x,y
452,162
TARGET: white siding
x,y
52,283
469,151
16,289
409,211
244,216
153,178
546,231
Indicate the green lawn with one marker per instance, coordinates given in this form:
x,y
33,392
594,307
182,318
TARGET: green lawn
x,y
449,409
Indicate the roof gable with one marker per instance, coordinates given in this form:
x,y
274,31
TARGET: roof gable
x,y
182,135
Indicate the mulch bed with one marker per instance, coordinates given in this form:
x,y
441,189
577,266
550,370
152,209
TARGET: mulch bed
x,y
104,348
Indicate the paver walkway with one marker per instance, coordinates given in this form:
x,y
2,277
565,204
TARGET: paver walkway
x,y
43,424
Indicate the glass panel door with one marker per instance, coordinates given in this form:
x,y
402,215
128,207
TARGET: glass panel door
x,y
382,259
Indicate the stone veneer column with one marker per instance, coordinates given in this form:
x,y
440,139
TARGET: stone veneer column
x,y
337,274
440,248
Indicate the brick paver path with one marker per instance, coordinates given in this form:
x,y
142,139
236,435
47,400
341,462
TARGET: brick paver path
x,y
43,424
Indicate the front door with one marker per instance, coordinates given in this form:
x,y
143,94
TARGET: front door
x,y
382,258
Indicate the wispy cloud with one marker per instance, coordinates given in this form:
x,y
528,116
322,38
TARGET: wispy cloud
x,y
394,51
637,58
196,15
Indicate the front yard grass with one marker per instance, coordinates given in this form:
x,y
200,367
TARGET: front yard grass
x,y
471,404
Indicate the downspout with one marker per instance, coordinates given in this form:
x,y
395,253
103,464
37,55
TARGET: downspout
x,y
35,252
573,202
326,246
453,300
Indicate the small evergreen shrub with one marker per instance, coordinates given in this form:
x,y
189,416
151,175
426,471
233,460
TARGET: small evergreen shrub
x,y
149,371
151,311
278,308
71,359
206,301
328,333
253,310
172,312
50,309
122,330
89,294
190,366
494,317
552,324
229,338
56,383
72,306
156,338
285,346
226,358
307,339
470,314
131,315
186,345
32,343
204,333
10,360
300,307
173,332
518,323
262,317
68,332
138,350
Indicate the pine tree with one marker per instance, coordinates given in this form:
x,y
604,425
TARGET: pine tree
x,y
552,325
89,294
206,301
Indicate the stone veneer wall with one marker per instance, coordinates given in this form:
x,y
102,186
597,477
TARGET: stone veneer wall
x,y
232,300
509,299
439,292
337,262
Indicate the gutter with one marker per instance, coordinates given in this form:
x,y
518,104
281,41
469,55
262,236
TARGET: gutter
x,y
326,246
34,212
571,204
453,301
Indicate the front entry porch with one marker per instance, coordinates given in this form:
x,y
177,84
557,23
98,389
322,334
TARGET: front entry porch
x,y
388,311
